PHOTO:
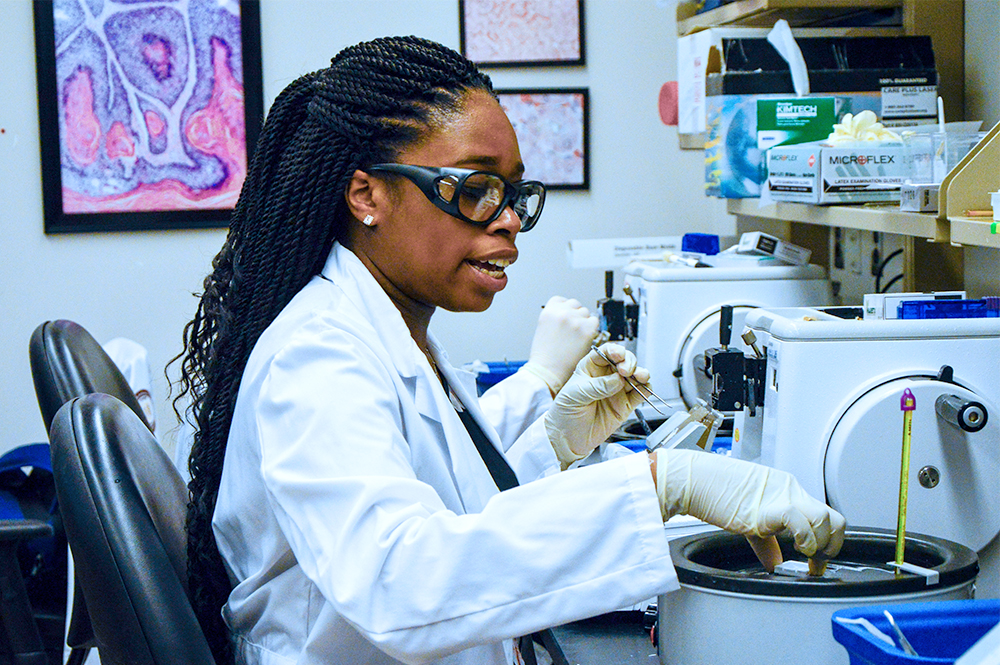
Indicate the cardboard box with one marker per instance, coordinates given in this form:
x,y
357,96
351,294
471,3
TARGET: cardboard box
x,y
919,197
894,77
763,244
817,173
693,53
794,120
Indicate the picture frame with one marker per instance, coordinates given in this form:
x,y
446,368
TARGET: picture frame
x,y
518,33
552,127
137,132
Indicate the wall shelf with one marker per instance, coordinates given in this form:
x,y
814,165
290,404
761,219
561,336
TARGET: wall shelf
x,y
881,218
805,223
969,231
917,17
763,13
968,187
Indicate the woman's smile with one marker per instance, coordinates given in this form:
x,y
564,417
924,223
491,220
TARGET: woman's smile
x,y
494,267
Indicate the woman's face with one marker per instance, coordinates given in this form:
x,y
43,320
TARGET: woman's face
x,y
424,257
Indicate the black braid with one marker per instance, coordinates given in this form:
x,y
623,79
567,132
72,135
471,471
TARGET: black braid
x,y
374,100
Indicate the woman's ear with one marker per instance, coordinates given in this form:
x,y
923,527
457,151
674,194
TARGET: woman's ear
x,y
364,194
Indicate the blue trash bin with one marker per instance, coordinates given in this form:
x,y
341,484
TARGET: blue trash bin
x,y
939,631
498,371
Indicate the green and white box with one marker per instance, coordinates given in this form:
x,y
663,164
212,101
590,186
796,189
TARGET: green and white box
x,y
816,173
794,120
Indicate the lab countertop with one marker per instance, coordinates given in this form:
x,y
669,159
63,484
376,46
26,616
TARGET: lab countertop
x,y
618,638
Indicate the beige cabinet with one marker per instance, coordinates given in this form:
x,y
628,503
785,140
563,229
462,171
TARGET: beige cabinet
x,y
933,260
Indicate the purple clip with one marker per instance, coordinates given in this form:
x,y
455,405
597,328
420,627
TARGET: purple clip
x,y
907,402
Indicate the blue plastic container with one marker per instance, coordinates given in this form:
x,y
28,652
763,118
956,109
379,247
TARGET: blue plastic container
x,y
722,445
498,371
704,243
939,631
949,309
635,445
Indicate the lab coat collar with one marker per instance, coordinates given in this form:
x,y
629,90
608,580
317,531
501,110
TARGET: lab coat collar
x,y
476,484
346,270
463,384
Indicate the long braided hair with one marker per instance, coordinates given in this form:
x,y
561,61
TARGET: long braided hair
x,y
374,100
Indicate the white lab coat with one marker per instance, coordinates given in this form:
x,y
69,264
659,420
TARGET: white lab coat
x,y
360,524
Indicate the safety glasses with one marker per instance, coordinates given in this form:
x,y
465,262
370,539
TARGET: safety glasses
x,y
477,197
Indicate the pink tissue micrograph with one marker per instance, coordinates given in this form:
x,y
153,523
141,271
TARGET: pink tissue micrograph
x,y
151,114
522,30
550,132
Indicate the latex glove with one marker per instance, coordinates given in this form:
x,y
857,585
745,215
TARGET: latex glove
x,y
861,127
746,498
593,403
563,336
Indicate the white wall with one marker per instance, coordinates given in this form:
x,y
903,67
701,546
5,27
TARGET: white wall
x,y
982,102
140,285
982,75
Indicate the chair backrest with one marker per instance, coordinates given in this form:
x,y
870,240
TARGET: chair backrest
x,y
67,362
124,505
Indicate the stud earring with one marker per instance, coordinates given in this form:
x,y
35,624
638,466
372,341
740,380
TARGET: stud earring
x,y
368,220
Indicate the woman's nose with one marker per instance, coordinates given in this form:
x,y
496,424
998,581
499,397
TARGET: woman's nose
x,y
507,222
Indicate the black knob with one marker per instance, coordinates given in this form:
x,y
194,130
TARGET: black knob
x,y
968,415
725,325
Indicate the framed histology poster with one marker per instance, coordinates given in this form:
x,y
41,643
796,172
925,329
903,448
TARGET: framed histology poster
x,y
552,130
515,33
148,111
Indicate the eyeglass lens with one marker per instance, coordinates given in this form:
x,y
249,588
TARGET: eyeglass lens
x,y
482,195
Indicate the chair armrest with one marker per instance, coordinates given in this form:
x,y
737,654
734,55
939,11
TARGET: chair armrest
x,y
17,530
18,620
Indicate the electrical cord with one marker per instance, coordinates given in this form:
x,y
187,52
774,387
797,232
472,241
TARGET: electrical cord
x,y
889,284
881,270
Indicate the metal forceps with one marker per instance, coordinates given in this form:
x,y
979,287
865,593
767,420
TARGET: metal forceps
x,y
635,386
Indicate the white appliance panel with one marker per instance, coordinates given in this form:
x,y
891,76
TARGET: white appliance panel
x,y
863,464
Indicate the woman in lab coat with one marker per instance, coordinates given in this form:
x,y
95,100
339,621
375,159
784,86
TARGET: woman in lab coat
x,y
341,511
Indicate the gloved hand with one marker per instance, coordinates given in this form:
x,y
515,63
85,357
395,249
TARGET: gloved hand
x,y
593,403
746,498
563,336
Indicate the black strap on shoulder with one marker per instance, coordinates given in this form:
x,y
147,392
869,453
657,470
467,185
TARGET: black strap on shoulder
x,y
502,474
505,478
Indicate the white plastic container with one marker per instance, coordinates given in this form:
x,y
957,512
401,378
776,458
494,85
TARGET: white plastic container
x,y
729,610
679,311
832,419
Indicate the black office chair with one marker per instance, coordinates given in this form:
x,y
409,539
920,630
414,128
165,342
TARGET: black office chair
x,y
124,506
33,558
22,642
67,362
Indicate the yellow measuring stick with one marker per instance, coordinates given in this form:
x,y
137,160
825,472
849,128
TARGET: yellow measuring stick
x,y
906,404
